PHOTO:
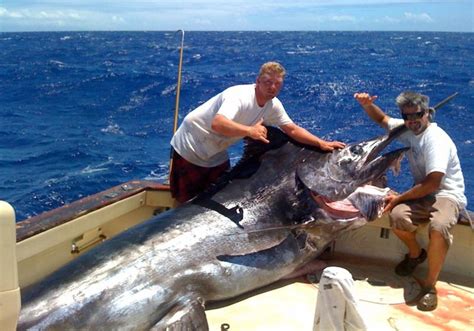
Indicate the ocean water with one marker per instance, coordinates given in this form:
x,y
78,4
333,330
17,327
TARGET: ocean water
x,y
84,111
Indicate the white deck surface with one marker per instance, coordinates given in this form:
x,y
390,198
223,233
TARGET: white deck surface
x,y
290,305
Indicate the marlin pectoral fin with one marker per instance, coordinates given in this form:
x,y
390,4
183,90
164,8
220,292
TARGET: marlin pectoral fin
x,y
187,314
268,258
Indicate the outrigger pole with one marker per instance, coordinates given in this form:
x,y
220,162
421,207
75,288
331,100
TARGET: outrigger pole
x,y
178,89
441,104
445,101
178,86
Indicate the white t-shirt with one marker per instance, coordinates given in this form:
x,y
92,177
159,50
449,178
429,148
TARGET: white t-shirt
x,y
430,151
195,140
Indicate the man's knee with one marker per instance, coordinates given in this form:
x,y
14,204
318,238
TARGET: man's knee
x,y
400,220
396,215
441,231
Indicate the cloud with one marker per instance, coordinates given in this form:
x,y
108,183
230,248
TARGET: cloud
x,y
423,17
40,14
407,17
202,22
116,18
334,18
232,14
388,19
9,14
342,18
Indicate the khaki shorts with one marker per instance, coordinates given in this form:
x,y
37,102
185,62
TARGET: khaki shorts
x,y
440,212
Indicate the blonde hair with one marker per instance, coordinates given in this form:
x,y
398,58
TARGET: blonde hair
x,y
272,68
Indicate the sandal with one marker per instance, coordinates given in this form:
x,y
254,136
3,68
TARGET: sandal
x,y
429,301
408,265
413,300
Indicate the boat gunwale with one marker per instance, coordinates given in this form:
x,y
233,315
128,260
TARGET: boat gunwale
x,y
45,221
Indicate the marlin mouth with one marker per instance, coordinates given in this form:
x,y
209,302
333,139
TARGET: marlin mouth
x,y
336,209
366,201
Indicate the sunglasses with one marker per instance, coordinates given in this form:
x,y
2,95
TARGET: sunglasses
x,y
413,116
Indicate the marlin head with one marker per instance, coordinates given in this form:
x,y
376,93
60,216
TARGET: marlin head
x,y
336,182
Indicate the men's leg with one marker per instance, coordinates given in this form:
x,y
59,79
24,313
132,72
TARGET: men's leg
x,y
437,251
409,239
185,178
443,217
427,299
188,180
442,220
216,172
402,220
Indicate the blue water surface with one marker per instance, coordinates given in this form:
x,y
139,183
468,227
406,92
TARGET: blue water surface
x,y
84,111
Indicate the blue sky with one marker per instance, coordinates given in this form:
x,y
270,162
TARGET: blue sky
x,y
213,15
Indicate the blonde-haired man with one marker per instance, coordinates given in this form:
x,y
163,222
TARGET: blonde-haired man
x,y
200,143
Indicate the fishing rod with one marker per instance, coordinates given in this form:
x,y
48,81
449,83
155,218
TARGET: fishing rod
x,y
178,90
445,101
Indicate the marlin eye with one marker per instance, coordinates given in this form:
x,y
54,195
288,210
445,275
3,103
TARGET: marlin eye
x,y
356,149
345,161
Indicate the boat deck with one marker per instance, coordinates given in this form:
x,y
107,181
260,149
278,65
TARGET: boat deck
x,y
45,242
290,304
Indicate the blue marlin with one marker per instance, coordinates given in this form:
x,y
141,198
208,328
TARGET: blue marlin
x,y
274,212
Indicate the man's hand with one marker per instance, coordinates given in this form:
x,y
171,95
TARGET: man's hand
x,y
258,132
329,146
374,111
391,200
365,99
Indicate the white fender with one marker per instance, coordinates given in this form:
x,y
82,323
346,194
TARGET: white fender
x,y
10,301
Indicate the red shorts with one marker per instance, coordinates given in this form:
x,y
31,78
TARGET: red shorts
x,y
188,180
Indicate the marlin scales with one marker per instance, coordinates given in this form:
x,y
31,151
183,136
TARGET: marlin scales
x,y
274,212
